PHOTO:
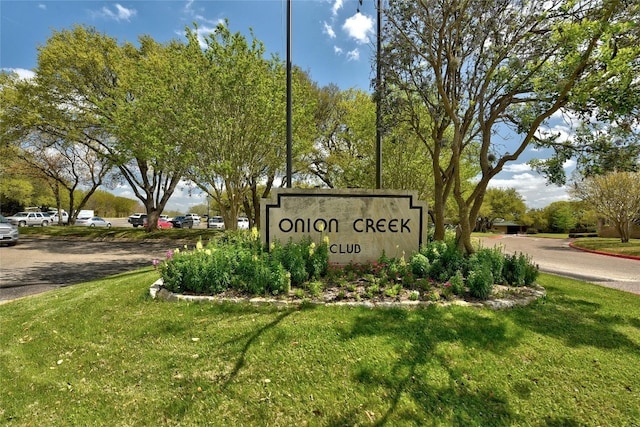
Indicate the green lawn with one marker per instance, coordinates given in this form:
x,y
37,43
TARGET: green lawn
x,y
104,353
610,245
119,233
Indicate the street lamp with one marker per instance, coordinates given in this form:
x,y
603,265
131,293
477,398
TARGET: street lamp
x,y
378,92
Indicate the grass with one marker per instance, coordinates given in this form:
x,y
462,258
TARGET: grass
x,y
120,233
610,245
104,353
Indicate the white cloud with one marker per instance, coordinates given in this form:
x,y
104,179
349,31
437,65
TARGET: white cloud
x,y
337,5
533,188
353,55
337,50
522,167
359,27
42,6
120,14
328,29
22,73
183,198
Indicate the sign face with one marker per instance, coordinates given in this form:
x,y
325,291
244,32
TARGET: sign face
x,y
360,224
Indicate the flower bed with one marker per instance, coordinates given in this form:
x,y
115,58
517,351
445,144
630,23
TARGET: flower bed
x,y
238,267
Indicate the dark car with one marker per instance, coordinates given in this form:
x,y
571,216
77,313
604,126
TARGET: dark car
x,y
137,219
182,222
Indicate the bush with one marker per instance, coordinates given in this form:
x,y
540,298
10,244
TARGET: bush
x,y
457,283
518,270
239,262
419,265
199,272
492,259
480,282
449,261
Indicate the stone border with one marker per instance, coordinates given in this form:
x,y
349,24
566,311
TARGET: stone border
x,y
157,291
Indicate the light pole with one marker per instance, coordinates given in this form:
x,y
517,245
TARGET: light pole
x,y
378,98
289,109
378,93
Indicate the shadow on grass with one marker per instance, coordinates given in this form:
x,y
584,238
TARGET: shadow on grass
x,y
425,375
577,322
250,340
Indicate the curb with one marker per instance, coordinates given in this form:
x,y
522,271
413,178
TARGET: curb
x,y
632,257
156,291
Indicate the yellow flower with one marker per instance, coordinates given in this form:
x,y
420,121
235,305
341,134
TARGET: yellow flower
x,y
177,251
254,233
321,227
272,246
326,240
199,245
207,251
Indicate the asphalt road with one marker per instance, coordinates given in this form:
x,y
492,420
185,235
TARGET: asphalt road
x,y
37,265
557,257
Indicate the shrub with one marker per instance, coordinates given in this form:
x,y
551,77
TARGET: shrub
x,y
457,283
519,270
449,261
292,258
480,282
493,259
419,265
201,272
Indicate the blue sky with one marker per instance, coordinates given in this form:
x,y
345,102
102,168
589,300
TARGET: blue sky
x,y
330,39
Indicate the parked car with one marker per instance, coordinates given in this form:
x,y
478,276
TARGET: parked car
x,y
194,217
55,218
94,221
9,233
243,223
137,219
216,222
182,222
162,223
23,219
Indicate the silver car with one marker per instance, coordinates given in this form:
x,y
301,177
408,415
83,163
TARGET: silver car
x,y
95,221
216,222
8,232
24,219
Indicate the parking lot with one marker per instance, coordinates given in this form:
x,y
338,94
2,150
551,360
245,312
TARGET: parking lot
x,y
36,265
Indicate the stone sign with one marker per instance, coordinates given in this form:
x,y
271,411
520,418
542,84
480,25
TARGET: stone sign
x,y
360,224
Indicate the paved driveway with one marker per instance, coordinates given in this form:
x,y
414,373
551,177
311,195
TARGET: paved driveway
x,y
557,257
37,265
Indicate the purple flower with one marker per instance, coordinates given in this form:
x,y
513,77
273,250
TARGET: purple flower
x,y
169,254
155,262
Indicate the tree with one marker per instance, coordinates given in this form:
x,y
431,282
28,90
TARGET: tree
x,y
65,167
483,69
240,143
343,152
133,106
597,148
616,196
500,203
562,217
